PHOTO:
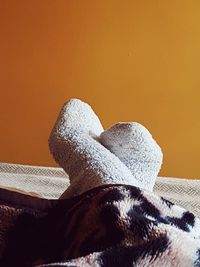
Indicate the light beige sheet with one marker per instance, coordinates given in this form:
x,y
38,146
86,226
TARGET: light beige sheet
x,y
49,182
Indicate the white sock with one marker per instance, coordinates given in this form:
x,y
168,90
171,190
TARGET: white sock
x,y
134,146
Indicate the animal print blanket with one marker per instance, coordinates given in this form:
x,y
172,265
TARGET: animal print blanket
x,y
111,225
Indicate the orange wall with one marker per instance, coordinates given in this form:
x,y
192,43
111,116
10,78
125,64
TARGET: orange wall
x,y
131,60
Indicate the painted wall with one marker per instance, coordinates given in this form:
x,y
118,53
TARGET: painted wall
x,y
131,60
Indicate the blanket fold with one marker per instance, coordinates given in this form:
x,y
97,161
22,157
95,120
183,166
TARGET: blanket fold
x,y
110,225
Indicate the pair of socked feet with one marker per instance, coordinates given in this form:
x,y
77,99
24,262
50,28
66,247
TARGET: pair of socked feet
x,y
126,153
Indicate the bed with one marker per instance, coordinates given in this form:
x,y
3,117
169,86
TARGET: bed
x,y
51,182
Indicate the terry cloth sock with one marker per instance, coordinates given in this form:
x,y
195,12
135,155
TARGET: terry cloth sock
x,y
74,145
133,144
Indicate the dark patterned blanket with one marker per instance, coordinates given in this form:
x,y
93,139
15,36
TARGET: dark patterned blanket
x,y
111,225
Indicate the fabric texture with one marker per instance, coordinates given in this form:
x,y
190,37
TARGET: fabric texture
x,y
107,226
51,182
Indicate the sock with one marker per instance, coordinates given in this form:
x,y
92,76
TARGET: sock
x,y
134,146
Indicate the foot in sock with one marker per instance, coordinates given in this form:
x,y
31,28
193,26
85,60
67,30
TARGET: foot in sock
x,y
134,146
74,145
